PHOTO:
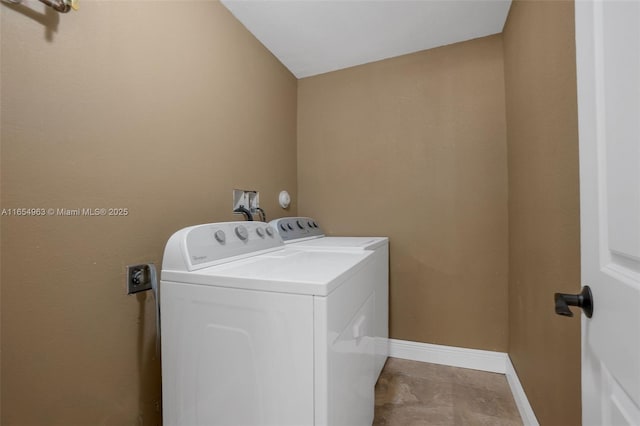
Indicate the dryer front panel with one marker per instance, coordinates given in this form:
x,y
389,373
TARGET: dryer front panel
x,y
236,357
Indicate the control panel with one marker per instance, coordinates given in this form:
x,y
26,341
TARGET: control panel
x,y
206,245
295,228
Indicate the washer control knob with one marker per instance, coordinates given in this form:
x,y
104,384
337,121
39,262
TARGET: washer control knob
x,y
284,228
242,233
299,223
315,225
269,231
289,226
260,232
220,236
309,224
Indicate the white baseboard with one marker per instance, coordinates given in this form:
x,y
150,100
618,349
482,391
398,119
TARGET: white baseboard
x,y
522,402
495,362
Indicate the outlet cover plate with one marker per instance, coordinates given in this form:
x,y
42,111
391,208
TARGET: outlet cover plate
x,y
138,278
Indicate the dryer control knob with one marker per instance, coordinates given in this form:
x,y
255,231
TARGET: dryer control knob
x,y
260,232
242,232
289,226
284,228
220,236
299,223
269,231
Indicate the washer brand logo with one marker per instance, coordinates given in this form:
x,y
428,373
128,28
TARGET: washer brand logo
x,y
199,257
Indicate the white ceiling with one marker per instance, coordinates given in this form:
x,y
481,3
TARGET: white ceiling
x,y
316,36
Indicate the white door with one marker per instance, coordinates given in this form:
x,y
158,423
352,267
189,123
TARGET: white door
x,y
608,70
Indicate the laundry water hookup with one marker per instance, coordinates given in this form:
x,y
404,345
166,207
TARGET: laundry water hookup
x,y
247,203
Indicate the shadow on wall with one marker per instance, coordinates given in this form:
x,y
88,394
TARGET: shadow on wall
x,y
49,18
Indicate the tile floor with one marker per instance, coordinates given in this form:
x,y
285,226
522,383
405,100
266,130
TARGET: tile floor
x,y
411,393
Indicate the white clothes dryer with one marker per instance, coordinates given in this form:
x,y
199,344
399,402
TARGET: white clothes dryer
x,y
258,333
306,233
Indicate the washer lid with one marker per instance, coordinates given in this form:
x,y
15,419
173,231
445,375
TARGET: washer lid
x,y
342,243
286,271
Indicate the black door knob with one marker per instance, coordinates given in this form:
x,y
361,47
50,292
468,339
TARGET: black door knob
x,y
583,300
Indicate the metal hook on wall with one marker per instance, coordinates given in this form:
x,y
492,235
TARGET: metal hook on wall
x,y
62,6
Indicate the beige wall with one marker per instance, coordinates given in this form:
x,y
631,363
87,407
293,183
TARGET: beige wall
x,y
414,148
156,107
544,232
159,107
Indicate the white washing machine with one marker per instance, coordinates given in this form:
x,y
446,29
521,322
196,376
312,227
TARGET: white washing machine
x,y
258,333
306,233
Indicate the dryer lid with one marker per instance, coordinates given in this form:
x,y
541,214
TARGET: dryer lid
x,y
288,271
